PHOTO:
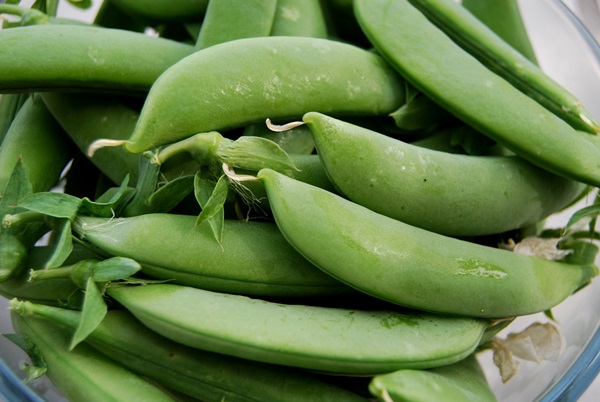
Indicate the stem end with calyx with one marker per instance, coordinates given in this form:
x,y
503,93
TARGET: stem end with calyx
x,y
20,307
285,127
102,143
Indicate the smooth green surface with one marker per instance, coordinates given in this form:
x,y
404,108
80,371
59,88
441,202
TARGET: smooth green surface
x,y
483,43
299,18
255,259
98,378
505,19
463,381
228,20
36,138
413,267
451,194
442,70
165,10
78,57
86,118
246,81
197,373
318,338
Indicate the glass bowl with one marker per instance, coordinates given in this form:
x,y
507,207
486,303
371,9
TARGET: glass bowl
x,y
568,53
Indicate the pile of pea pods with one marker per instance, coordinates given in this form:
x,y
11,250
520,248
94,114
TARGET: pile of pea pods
x,y
283,200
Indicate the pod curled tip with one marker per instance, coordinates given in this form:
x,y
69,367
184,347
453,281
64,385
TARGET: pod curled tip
x,y
285,127
102,143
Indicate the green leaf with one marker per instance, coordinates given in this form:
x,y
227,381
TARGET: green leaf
x,y
92,313
115,268
146,185
58,205
38,366
215,202
590,211
255,153
169,195
81,4
63,246
211,198
17,188
81,271
110,203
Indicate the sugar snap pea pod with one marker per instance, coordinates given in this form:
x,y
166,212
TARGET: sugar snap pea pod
x,y
35,137
9,106
484,44
414,267
165,10
245,81
299,18
87,117
318,338
451,194
505,19
13,255
255,259
55,291
194,372
89,57
83,374
227,20
462,381
482,99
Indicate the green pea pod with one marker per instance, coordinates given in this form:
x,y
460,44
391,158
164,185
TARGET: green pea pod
x,y
39,141
13,254
483,43
228,20
52,291
9,106
318,338
83,374
85,118
88,58
203,375
505,19
165,10
473,93
281,77
294,141
451,194
414,267
299,18
463,381
254,259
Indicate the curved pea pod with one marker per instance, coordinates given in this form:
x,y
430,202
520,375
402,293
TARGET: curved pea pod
x,y
505,19
9,106
484,44
83,374
413,267
299,18
473,93
53,291
165,10
452,194
88,58
241,82
228,20
87,117
38,140
254,259
318,338
13,255
462,381
194,372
